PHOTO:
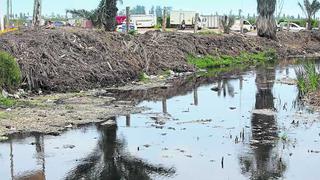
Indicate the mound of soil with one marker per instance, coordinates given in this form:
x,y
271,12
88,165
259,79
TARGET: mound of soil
x,y
77,59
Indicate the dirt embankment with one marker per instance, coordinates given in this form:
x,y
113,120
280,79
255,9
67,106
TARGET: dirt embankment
x,y
76,59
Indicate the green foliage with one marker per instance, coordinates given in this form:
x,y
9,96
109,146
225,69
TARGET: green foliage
x,y
103,16
10,74
308,77
208,61
310,9
133,32
160,20
7,102
143,77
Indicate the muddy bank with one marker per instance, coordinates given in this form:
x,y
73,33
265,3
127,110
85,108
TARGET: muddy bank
x,y
313,99
76,59
52,114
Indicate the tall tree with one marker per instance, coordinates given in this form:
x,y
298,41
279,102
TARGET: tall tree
x,y
152,10
266,23
36,13
139,9
310,10
103,16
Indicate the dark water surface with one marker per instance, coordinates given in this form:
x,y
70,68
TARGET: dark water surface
x,y
190,132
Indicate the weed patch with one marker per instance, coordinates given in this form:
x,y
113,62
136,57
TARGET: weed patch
x,y
7,102
308,77
208,62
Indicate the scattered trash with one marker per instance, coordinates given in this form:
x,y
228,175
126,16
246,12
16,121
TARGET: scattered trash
x,y
69,146
3,138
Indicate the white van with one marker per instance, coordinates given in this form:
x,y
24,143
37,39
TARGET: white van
x,y
247,26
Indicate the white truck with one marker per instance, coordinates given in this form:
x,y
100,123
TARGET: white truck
x,y
246,25
144,20
177,17
211,21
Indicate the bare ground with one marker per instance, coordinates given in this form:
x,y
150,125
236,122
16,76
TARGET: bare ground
x,y
52,114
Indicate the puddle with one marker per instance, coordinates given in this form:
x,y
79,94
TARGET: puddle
x,y
251,126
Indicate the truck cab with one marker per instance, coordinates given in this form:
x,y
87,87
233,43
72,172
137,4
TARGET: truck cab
x,y
247,26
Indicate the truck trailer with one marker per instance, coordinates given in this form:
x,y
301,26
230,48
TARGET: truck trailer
x,y
176,18
211,21
144,20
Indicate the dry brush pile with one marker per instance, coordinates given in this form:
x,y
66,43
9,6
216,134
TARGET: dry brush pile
x,y
78,59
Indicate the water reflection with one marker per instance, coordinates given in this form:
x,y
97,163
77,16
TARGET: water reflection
x,y
39,156
263,161
110,160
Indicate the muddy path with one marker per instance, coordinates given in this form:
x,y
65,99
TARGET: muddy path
x,y
249,126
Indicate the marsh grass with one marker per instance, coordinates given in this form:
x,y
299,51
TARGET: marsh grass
x,y
308,77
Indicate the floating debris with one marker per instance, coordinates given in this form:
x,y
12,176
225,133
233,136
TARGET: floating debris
x,y
267,112
202,121
69,146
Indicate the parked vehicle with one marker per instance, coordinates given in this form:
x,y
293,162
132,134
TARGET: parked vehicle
x,y
211,21
121,19
123,27
58,24
188,17
247,26
293,27
144,20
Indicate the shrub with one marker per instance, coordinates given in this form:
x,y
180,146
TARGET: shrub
x,y
10,74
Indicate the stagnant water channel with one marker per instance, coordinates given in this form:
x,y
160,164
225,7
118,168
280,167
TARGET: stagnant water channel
x,y
249,126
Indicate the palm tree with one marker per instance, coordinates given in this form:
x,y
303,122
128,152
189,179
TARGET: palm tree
x,y
310,10
36,13
266,23
110,160
103,16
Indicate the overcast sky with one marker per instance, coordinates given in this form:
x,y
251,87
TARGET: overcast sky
x,y
201,6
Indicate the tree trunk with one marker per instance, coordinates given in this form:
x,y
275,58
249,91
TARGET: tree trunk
x,y
111,13
266,23
36,13
309,24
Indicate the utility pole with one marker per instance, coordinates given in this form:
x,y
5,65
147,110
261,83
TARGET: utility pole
x,y
11,13
127,19
36,13
8,14
196,23
164,19
1,17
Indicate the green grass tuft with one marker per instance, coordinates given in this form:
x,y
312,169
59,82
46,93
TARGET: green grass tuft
x,y
208,62
143,77
7,102
10,74
308,77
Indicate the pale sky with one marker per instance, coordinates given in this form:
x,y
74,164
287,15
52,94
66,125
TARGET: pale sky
x,y
201,6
